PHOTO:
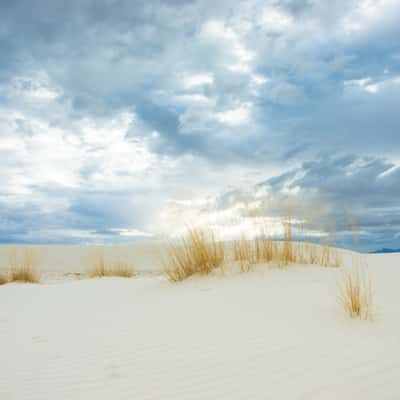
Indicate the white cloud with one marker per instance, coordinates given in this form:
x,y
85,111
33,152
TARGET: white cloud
x,y
132,233
373,86
192,99
47,163
36,87
237,116
275,20
259,79
237,56
366,14
196,80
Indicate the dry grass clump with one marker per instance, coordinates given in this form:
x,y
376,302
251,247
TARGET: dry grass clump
x,y
288,254
198,253
24,268
256,251
101,268
283,253
3,279
266,249
263,249
244,253
356,293
325,255
329,257
25,273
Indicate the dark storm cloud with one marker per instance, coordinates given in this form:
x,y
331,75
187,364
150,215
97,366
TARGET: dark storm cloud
x,y
118,52
360,190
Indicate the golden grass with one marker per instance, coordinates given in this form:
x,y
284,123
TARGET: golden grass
x,y
101,269
283,253
355,294
263,249
288,254
244,253
3,279
24,268
197,253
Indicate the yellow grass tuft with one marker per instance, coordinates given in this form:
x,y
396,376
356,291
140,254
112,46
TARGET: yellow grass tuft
x,y
356,293
24,268
244,253
288,254
283,253
100,268
262,249
3,279
198,253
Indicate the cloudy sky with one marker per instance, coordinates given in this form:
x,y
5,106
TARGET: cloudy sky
x,y
125,120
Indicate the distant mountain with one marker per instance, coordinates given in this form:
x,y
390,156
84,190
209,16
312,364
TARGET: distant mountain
x,y
385,250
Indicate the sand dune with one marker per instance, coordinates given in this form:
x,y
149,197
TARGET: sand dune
x,y
56,260
267,334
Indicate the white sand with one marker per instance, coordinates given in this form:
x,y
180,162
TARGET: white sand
x,y
63,259
269,334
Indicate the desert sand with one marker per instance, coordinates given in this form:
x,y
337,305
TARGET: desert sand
x,y
267,334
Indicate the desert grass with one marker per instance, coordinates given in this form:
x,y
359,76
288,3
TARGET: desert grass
x,y
245,255
197,253
3,279
302,253
288,253
329,257
23,267
263,249
100,268
355,293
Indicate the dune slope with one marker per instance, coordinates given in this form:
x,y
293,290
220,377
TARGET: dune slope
x,y
269,334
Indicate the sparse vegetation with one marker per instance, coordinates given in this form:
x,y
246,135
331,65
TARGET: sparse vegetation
x,y
356,294
267,250
288,254
100,268
23,268
245,254
283,253
3,279
198,253
264,249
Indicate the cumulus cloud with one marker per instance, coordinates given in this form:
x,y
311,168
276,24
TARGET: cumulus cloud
x,y
144,103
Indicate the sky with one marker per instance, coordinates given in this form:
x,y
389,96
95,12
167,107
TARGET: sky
x,y
129,120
